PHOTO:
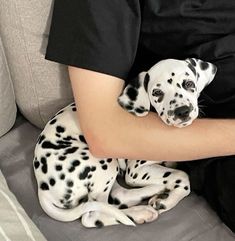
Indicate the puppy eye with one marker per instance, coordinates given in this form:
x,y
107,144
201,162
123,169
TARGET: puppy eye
x,y
188,84
157,92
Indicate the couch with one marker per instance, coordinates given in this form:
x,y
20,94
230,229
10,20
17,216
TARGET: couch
x,y
32,90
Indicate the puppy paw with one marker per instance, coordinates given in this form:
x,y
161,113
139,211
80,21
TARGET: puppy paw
x,y
142,214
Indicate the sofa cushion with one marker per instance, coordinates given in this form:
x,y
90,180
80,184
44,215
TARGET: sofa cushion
x,y
191,220
7,97
14,222
41,87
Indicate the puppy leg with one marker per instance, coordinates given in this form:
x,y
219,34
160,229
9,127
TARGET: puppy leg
x,y
138,214
124,198
173,185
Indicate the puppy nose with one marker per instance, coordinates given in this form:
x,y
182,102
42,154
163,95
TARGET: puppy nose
x,y
182,111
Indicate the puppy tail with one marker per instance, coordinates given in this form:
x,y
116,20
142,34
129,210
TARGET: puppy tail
x,y
68,215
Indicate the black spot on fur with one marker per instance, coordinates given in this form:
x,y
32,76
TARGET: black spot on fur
x,y
44,168
116,201
135,176
60,129
178,181
76,163
142,162
186,188
74,109
53,121
130,218
48,154
60,112
71,150
82,139
99,224
192,61
144,176
192,69
67,196
102,162
178,85
58,135
66,143
106,189
83,199
176,186
44,186
83,175
123,206
170,81
62,158
146,81
109,160
166,174
139,110
36,164
49,145
164,182
85,158
110,200
69,138
69,183
62,176
52,181
93,168
132,93
105,167
71,169
58,167
173,74
41,138
44,164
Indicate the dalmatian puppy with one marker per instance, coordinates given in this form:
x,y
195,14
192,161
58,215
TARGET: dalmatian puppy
x,y
172,88
74,184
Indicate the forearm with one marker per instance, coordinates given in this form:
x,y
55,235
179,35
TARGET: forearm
x,y
124,135
112,132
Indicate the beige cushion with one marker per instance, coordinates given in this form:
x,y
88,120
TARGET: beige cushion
x,y
41,87
7,98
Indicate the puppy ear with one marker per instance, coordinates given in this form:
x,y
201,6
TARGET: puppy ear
x,y
135,98
203,71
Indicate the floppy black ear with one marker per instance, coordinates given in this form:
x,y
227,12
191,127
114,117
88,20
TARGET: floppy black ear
x,y
135,98
204,72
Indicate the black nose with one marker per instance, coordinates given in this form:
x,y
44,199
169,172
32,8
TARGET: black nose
x,y
182,112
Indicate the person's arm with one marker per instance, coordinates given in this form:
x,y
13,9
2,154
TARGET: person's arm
x,y
111,131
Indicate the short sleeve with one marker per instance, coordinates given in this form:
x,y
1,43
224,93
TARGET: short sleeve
x,y
97,35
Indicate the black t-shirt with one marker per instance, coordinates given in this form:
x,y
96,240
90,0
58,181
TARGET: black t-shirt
x,y
124,37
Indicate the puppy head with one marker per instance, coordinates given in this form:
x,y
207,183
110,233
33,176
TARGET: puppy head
x,y
172,87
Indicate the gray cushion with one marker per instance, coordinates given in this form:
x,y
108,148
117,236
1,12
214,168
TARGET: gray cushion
x,y
41,87
7,97
191,220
